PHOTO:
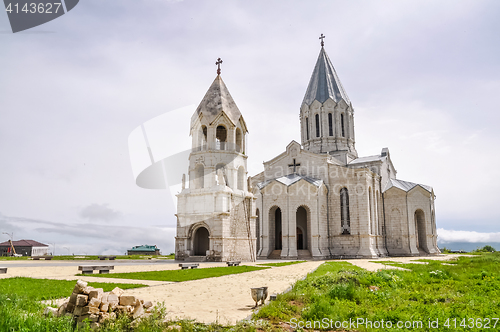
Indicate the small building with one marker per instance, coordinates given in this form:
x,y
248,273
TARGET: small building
x,y
25,248
144,250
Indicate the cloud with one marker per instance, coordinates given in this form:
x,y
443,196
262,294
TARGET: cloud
x,y
86,238
447,236
99,212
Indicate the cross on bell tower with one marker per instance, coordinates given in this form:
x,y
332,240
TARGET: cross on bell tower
x,y
322,42
219,61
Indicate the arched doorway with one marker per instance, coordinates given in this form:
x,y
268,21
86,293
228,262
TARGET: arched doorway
x,y
420,230
275,228
300,239
201,242
301,221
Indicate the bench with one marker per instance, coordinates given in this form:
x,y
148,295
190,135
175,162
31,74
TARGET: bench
x,y
3,270
185,266
233,263
111,258
89,269
36,258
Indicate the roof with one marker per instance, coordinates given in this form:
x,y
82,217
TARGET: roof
x,y
24,243
290,179
404,185
144,247
367,159
324,82
217,100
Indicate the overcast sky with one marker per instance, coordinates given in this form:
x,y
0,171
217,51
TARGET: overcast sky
x,y
423,77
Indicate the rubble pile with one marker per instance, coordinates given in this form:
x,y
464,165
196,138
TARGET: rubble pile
x,y
97,306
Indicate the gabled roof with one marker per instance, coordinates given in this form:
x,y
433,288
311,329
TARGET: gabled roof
x,y
217,100
290,179
404,185
24,243
367,159
324,82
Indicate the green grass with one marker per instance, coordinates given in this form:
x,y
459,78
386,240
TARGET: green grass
x,y
48,289
182,275
281,264
339,291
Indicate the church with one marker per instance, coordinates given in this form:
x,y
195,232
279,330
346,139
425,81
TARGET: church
x,y
316,200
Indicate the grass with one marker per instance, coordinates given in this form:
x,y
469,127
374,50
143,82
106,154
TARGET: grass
x,y
339,291
182,275
48,289
281,264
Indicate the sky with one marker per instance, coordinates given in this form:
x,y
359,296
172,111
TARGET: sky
x,y
423,78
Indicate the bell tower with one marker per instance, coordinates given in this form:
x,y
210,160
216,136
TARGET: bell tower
x,y
326,114
215,209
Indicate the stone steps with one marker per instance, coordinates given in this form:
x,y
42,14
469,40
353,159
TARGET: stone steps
x,y
196,259
304,254
276,254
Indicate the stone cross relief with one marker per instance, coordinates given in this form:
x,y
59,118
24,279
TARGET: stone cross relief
x,y
294,165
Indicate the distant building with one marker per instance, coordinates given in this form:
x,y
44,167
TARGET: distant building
x,y
144,250
25,248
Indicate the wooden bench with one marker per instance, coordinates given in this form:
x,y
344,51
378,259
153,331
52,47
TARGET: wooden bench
x,y
185,266
36,258
89,269
3,270
111,258
233,263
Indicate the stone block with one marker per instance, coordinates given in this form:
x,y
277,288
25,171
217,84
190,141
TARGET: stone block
x,y
62,309
148,304
117,291
81,300
94,302
72,298
88,289
104,307
96,293
113,299
127,300
81,311
80,285
70,307
138,311
104,298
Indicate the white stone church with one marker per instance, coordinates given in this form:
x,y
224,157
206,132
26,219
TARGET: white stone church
x,y
316,200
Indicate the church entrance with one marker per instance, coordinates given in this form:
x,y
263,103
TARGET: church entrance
x,y
275,221
201,242
300,239
301,221
420,230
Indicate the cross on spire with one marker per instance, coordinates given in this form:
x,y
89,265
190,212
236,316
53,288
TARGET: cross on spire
x,y
322,42
219,61
294,165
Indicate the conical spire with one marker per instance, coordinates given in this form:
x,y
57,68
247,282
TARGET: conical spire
x,y
217,100
324,82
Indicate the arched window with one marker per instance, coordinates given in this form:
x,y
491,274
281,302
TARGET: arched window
x,y
199,176
345,221
307,128
220,138
241,178
223,167
317,125
330,124
239,140
342,124
204,141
